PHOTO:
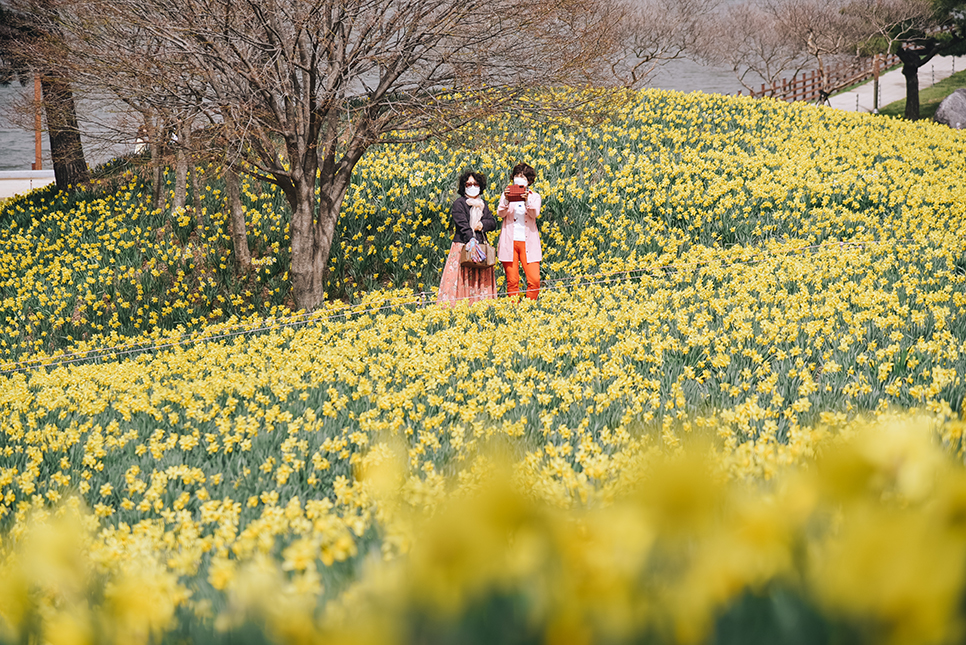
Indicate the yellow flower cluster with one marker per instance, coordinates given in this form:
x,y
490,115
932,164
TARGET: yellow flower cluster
x,y
98,265
866,542
869,536
633,180
643,178
751,277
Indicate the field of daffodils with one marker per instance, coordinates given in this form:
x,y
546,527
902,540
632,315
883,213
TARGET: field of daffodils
x,y
735,414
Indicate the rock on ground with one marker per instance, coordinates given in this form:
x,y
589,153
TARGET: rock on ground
x,y
952,111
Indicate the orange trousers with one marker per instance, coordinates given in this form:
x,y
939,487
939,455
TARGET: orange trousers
x,y
531,269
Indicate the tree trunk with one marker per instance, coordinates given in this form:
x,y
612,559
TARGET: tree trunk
x,y
155,135
912,60
197,180
312,232
911,71
239,234
66,150
159,191
181,168
823,78
309,258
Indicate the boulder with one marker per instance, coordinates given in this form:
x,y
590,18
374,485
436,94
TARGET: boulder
x,y
952,111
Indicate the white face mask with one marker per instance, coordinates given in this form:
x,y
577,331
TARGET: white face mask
x,y
472,191
520,181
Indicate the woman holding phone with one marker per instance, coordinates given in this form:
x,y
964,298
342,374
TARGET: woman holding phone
x,y
519,238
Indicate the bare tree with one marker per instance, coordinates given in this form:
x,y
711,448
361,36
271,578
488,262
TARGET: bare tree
x,y
652,32
239,232
167,98
307,86
753,43
31,47
822,29
104,66
160,88
912,29
890,24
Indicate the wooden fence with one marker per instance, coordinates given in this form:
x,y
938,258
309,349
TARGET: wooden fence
x,y
809,86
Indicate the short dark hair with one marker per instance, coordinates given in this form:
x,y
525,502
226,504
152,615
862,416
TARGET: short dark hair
x,y
526,171
478,176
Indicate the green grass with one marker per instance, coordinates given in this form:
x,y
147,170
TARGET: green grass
x,y
929,97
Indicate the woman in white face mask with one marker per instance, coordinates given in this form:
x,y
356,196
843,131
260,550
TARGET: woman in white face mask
x,y
472,219
519,237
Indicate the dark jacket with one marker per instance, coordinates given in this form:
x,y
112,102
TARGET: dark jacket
x,y
460,213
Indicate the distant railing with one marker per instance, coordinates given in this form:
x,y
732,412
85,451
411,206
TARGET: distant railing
x,y
809,86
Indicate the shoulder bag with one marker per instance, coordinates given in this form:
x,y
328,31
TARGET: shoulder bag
x,y
483,258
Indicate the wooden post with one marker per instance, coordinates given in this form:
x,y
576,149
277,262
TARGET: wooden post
x,y
875,84
38,125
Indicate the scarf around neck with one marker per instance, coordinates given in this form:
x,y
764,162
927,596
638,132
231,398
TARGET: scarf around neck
x,y
476,211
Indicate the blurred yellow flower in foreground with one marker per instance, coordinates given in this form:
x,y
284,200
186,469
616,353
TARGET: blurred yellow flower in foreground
x,y
871,533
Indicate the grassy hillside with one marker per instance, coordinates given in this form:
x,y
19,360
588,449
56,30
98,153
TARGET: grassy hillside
x,y
650,179
929,97
746,366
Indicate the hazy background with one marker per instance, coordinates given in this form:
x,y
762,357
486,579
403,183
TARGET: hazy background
x,y
17,144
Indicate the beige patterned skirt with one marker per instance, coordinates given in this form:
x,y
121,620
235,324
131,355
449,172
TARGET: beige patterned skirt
x,y
461,283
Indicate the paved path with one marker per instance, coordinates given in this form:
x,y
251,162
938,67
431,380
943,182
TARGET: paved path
x,y
892,85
